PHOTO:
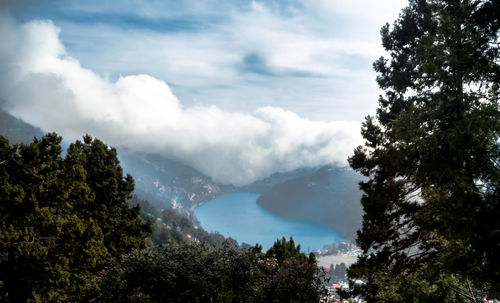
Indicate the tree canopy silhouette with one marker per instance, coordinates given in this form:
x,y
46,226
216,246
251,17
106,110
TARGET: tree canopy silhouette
x,y
432,199
60,218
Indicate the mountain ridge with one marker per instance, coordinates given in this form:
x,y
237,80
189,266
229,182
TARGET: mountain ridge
x,y
316,194
164,182
328,196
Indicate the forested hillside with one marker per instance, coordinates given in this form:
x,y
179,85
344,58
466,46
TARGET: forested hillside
x,y
169,184
267,184
328,196
170,226
69,234
166,183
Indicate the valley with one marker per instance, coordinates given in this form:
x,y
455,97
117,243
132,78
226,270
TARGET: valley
x,y
237,215
317,204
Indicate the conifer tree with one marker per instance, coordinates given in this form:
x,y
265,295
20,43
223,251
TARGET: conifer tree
x,y
60,218
122,228
432,158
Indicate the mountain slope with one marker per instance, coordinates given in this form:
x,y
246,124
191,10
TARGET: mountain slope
x,y
168,183
328,196
168,226
16,130
266,184
164,182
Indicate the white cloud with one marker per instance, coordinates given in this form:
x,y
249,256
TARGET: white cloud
x,y
318,52
44,85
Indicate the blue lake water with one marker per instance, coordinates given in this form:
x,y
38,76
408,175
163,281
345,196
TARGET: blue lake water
x,y
237,215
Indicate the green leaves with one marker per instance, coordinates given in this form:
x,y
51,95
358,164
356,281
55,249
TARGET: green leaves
x,y
203,273
432,153
56,228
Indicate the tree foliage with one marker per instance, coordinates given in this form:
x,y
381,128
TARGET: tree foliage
x,y
432,199
68,234
61,217
204,273
171,226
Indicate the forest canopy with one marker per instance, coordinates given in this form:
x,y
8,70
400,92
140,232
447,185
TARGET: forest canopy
x,y
68,233
431,228
61,217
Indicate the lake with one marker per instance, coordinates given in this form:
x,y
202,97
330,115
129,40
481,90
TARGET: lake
x,y
237,215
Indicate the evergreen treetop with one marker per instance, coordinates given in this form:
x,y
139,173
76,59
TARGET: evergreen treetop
x,y
432,157
60,218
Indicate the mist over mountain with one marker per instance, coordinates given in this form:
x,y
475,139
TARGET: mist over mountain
x,y
44,85
328,196
169,184
16,130
266,184
164,182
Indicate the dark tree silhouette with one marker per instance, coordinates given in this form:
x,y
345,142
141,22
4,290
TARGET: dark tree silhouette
x,y
432,199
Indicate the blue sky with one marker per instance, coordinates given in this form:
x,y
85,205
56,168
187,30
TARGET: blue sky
x,y
311,57
270,62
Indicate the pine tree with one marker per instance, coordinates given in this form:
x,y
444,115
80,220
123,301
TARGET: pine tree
x,y
122,228
55,229
432,157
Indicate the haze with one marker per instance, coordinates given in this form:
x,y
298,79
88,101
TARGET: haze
x,y
236,89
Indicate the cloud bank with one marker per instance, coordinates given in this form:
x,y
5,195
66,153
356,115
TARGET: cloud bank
x,y
312,57
42,84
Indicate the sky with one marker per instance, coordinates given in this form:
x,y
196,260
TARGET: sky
x,y
236,89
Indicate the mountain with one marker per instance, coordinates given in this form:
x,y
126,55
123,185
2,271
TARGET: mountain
x,y
169,184
168,226
266,184
328,196
16,130
164,182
